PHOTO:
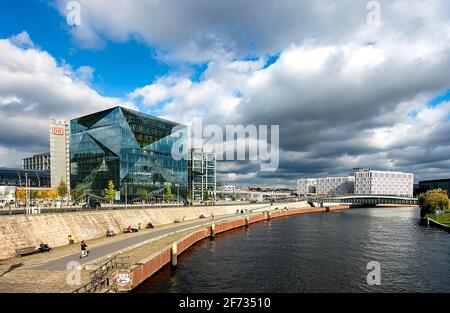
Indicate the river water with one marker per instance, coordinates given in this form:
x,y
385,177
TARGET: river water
x,y
318,252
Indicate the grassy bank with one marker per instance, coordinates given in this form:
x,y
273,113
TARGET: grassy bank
x,y
443,218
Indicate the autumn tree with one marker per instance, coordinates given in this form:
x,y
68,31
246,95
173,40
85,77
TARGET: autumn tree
x,y
62,189
110,192
21,194
433,200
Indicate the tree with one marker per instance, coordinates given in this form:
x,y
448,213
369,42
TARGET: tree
x,y
143,193
233,196
53,194
62,189
168,195
42,194
110,192
433,200
34,194
206,196
20,194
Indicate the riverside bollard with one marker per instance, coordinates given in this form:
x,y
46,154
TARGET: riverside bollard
x,y
213,231
174,254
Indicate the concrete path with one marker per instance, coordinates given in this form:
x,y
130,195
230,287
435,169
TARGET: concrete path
x,y
101,251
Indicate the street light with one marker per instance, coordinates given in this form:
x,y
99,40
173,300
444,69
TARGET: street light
x,y
178,192
126,196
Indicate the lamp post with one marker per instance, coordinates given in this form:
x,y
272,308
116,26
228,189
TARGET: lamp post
x,y
126,196
178,192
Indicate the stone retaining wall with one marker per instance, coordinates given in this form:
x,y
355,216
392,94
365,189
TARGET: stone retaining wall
x,y
29,230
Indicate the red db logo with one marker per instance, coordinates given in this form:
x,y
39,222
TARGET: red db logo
x,y
57,131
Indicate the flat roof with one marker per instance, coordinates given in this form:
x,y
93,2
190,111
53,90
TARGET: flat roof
x,y
19,170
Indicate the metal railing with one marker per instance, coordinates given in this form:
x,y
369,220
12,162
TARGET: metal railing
x,y
107,207
101,278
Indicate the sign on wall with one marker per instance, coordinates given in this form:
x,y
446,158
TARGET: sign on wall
x,y
57,131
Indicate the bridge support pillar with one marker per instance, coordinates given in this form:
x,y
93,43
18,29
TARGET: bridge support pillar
x,y
174,255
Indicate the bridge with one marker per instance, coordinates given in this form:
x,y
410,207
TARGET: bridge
x,y
361,200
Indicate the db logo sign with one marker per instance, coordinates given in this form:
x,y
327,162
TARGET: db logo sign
x,y
58,131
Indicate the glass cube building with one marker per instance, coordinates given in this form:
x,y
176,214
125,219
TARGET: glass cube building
x,y
132,149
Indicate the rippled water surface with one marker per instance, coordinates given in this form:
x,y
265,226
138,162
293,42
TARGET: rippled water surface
x,y
319,252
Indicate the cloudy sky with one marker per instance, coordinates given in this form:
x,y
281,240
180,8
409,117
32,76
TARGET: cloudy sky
x,y
351,83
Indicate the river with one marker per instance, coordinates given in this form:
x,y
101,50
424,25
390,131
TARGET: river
x,y
318,252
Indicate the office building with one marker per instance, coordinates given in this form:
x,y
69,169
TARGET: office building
x,y
425,185
59,153
370,182
306,186
202,175
228,189
37,162
133,150
335,185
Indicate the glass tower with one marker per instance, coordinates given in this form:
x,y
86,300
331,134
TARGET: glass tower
x,y
132,149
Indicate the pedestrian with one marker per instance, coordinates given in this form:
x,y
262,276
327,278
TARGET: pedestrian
x,y
69,239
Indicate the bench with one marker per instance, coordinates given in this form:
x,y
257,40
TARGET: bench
x,y
26,251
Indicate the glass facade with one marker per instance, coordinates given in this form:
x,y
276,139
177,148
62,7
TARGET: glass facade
x,y
17,177
132,149
202,175
443,184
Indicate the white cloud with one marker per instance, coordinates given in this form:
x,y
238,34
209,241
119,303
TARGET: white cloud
x,y
341,91
35,89
340,105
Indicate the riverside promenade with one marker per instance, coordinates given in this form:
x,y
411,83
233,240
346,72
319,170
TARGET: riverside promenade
x,y
109,249
48,272
147,251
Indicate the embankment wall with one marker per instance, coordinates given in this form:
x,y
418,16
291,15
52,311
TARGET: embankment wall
x,y
22,231
150,265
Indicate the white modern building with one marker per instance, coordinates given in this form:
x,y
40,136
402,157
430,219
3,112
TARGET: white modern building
x,y
335,185
369,182
59,153
228,189
306,186
202,174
